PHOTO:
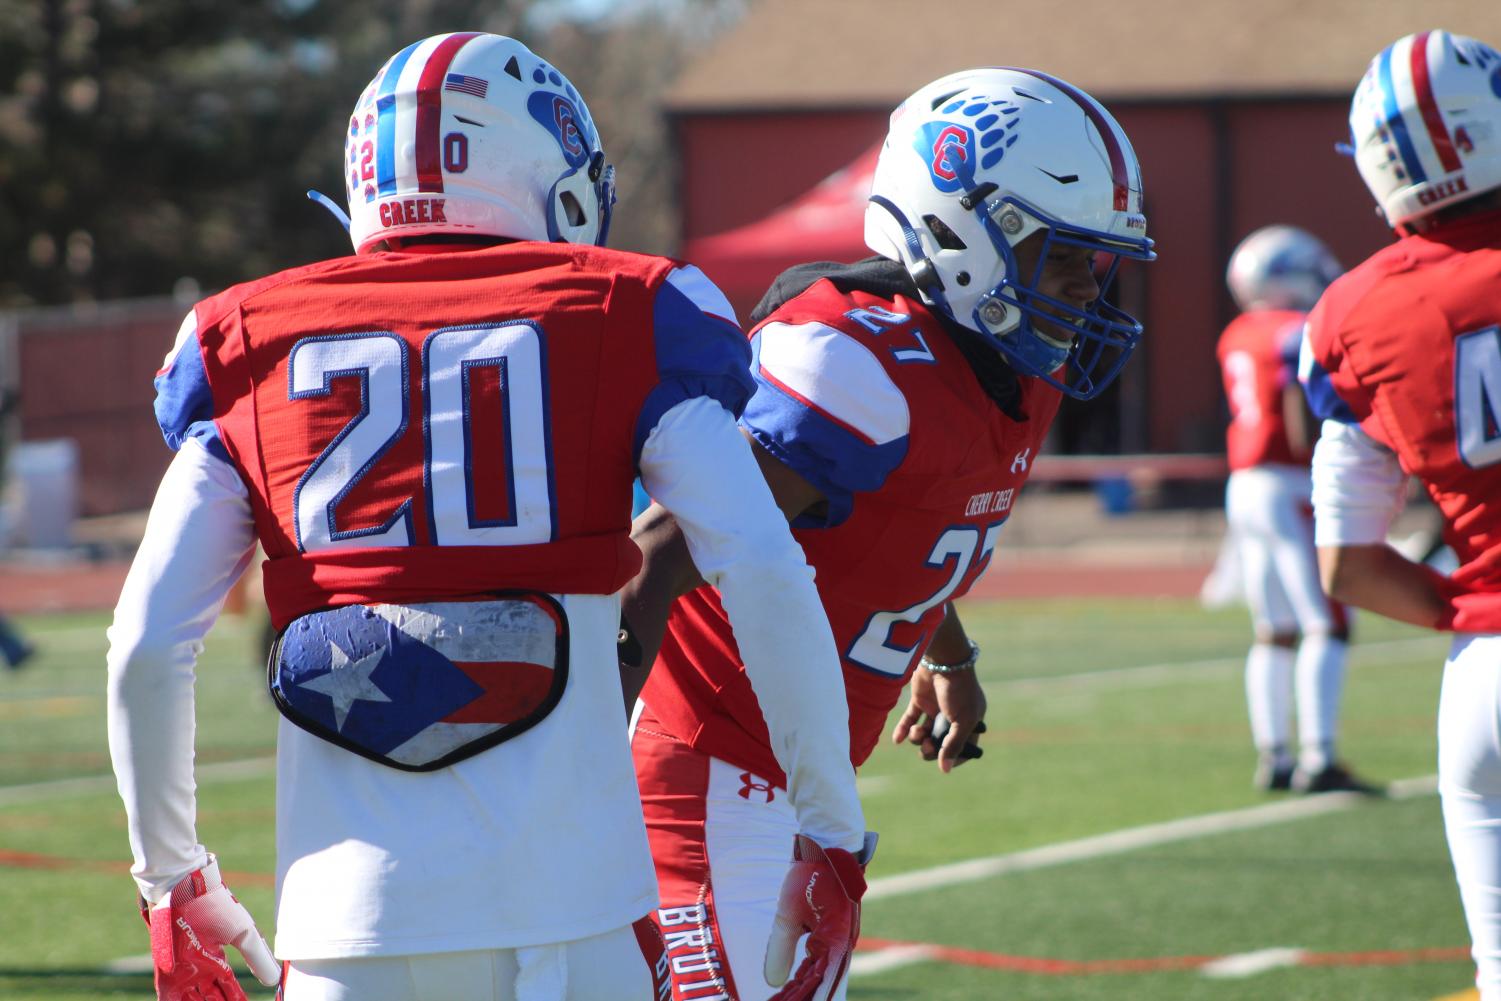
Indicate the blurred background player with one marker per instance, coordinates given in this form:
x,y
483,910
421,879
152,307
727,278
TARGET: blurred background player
x,y
435,441
14,649
1275,276
900,403
1404,362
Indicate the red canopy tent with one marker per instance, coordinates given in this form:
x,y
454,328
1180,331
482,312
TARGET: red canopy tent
x,y
825,224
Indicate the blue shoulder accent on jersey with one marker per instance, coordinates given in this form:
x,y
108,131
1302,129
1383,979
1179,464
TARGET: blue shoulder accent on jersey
x,y
1319,389
1291,345
185,404
697,355
826,453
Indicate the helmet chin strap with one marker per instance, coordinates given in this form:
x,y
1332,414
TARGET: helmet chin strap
x,y
924,274
332,206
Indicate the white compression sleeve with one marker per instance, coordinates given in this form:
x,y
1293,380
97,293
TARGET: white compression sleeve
x,y
697,465
1358,487
199,539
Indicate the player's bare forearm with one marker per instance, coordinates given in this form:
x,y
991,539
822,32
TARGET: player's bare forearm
x,y
1382,580
950,643
1296,418
667,572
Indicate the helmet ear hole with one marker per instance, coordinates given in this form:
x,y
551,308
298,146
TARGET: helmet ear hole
x,y
572,210
946,237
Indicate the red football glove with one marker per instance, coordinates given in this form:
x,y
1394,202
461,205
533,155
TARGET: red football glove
x,y
820,898
189,927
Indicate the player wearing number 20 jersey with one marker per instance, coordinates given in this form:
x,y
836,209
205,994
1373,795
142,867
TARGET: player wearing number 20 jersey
x,y
393,455
394,452
435,441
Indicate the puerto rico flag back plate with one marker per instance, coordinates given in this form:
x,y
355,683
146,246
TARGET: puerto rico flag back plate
x,y
420,687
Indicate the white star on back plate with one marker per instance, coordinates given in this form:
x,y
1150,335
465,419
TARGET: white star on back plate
x,y
349,682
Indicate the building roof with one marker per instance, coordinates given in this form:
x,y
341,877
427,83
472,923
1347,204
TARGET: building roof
x,y
805,54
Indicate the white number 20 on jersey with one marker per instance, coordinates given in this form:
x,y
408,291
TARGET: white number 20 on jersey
x,y
1477,396
449,358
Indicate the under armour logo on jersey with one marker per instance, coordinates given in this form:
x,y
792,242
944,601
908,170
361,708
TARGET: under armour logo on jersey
x,y
751,785
1019,464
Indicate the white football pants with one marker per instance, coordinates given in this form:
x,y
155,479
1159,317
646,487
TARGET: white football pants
x,y
607,967
1469,778
1268,512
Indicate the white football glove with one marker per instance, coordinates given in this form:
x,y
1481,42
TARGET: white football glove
x,y
820,898
189,927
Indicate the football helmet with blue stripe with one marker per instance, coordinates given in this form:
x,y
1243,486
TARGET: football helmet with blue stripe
x,y
1425,124
978,162
474,134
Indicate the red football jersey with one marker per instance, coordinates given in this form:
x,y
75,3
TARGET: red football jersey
x,y
420,425
869,399
1410,343
1258,355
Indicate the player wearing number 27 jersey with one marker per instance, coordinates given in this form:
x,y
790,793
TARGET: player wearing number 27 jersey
x,y
921,470
901,403
435,440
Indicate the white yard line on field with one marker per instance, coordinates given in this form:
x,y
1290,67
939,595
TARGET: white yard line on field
x,y
1248,964
1115,843
865,964
247,768
1133,838
1210,669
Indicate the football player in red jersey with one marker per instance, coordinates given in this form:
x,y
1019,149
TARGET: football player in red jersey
x,y
1275,276
435,440
1403,360
900,403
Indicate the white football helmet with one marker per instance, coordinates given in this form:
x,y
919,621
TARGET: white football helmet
x,y
980,160
1425,124
472,133
1280,267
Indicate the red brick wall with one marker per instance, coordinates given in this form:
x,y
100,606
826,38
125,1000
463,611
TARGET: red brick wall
x,y
86,375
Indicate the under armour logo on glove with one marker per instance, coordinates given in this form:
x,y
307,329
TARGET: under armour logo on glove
x,y
189,928
820,898
1019,463
751,785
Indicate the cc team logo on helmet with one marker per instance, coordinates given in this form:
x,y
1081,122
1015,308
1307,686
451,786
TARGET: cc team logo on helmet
x,y
556,114
951,148
946,147
956,190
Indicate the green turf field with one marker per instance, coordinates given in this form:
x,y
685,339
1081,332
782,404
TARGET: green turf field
x,y
1105,717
